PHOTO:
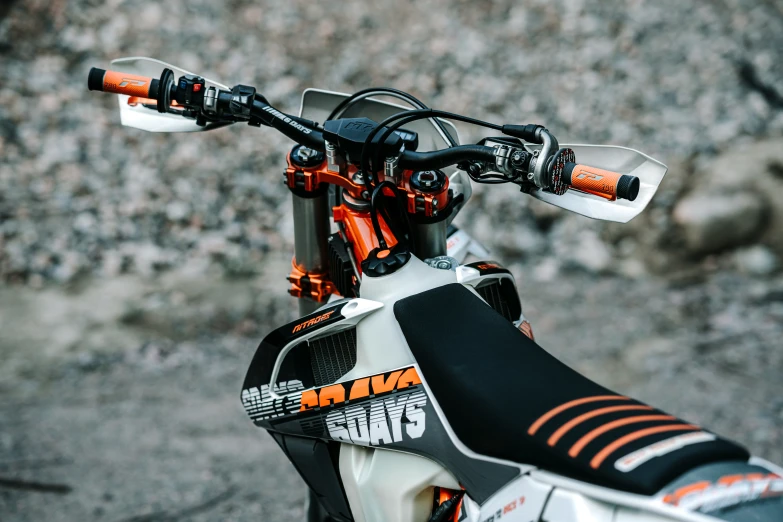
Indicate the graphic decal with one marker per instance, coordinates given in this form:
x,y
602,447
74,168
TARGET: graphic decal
x,y
522,500
381,421
311,322
371,411
666,446
505,510
633,413
390,409
260,405
336,394
489,267
729,490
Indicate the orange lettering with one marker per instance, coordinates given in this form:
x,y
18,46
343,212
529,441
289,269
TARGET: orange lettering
x,y
334,393
360,388
408,378
309,400
378,386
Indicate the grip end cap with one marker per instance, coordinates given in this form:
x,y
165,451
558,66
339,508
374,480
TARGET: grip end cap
x,y
95,79
628,187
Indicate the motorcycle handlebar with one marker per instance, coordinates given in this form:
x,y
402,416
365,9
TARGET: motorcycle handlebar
x,y
600,182
443,158
122,83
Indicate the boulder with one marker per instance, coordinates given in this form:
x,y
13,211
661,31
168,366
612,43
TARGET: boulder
x,y
754,168
716,221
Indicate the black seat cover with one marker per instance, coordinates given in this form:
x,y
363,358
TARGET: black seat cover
x,y
506,397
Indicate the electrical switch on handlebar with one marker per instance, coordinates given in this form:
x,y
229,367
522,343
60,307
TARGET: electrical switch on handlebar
x,y
190,91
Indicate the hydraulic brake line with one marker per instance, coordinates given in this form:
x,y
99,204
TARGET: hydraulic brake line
x,y
394,93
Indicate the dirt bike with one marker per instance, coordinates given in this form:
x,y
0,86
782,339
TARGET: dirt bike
x,y
411,388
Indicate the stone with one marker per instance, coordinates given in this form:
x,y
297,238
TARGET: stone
x,y
712,222
757,260
177,210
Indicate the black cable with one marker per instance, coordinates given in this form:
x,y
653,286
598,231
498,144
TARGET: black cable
x,y
396,93
403,118
442,158
378,191
407,117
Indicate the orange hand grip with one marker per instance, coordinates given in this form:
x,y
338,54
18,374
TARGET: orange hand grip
x,y
124,83
121,83
595,181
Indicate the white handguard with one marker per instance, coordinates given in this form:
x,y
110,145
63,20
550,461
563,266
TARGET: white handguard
x,y
138,115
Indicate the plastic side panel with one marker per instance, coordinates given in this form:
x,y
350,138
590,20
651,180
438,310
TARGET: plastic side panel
x,y
389,411
390,486
522,500
150,120
312,460
573,507
634,515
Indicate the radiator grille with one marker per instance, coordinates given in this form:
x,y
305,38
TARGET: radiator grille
x,y
333,356
490,292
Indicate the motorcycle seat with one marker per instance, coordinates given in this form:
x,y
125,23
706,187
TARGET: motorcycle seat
x,y
506,397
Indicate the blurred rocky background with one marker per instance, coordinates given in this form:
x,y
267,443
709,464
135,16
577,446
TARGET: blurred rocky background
x,y
138,271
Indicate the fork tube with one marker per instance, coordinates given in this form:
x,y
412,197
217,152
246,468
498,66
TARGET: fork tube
x,y
311,234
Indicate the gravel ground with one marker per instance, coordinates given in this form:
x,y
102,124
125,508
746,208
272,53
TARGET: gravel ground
x,y
138,271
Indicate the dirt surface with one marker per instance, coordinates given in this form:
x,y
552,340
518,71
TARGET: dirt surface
x,y
156,431
138,272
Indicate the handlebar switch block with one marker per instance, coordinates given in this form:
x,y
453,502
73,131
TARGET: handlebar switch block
x,y
242,97
190,91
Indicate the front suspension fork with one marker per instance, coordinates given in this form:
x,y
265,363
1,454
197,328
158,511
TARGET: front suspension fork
x,y
309,275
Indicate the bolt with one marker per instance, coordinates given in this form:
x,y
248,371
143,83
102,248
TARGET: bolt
x,y
304,153
427,178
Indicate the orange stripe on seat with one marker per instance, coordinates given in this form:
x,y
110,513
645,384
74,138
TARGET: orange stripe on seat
x,y
587,439
551,413
622,441
556,436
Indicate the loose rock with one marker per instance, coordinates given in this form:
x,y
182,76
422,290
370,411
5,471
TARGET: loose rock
x,y
713,222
